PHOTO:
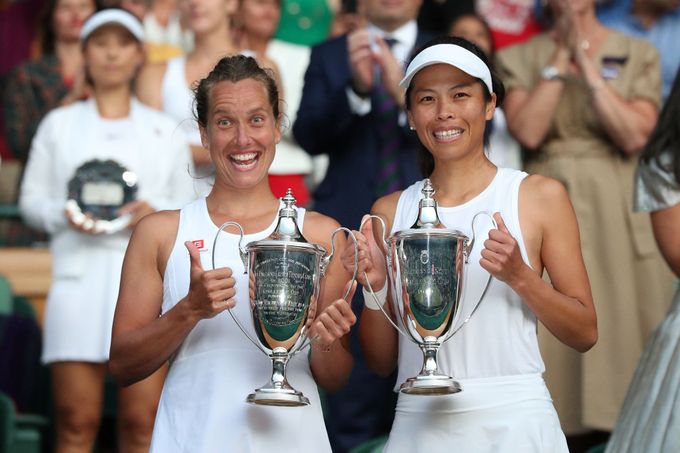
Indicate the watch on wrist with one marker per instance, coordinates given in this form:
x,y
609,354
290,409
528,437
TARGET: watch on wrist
x,y
551,73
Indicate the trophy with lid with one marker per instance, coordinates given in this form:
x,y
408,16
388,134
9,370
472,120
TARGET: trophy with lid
x,y
97,191
426,271
284,273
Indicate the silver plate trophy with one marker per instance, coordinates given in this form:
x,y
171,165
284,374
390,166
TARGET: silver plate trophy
x,y
426,271
284,273
100,188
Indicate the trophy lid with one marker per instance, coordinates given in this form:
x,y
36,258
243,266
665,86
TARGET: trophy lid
x,y
287,228
427,223
427,209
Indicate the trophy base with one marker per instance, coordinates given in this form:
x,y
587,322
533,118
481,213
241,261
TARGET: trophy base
x,y
278,397
430,385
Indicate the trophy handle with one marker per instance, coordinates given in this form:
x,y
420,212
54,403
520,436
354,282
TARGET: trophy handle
x,y
384,228
467,251
389,270
244,258
325,261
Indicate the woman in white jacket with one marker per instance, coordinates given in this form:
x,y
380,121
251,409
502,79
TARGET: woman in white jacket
x,y
86,264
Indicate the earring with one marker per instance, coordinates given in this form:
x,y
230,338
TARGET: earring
x,y
412,128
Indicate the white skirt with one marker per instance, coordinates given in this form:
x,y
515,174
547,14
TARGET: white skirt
x,y
501,414
79,311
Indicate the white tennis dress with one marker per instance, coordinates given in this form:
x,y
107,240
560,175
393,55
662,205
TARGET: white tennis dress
x,y
203,405
505,405
86,268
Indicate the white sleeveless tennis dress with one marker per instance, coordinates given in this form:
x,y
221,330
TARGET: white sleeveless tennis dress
x,y
202,407
505,405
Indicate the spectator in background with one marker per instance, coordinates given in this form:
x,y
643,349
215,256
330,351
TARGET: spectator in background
x,y
657,21
33,89
511,21
36,87
168,85
501,148
87,264
435,16
256,22
650,417
164,25
352,109
306,22
583,100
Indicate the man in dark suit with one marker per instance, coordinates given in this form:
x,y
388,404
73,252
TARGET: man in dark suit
x,y
352,110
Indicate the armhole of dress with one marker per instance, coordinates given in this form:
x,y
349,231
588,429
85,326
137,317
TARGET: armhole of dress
x,y
516,186
403,205
169,280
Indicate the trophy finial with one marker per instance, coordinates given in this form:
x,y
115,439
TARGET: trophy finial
x,y
427,208
287,228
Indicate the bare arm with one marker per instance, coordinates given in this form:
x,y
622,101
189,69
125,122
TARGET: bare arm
x,y
148,84
142,339
665,223
565,307
628,123
530,113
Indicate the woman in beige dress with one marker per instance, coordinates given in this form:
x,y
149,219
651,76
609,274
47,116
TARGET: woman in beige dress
x,y
583,99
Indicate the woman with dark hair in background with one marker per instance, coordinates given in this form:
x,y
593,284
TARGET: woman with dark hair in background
x,y
504,406
650,417
582,100
111,125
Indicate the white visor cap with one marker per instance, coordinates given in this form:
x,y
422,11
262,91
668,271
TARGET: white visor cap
x,y
109,17
450,54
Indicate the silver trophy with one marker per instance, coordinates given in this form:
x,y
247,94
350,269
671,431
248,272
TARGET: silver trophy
x,y
100,188
284,273
426,272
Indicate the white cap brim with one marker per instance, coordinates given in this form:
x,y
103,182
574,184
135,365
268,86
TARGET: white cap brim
x,y
453,55
115,17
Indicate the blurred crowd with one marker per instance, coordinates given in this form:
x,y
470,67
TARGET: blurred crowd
x,y
584,79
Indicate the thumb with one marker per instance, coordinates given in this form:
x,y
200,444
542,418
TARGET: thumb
x,y
500,223
353,289
194,256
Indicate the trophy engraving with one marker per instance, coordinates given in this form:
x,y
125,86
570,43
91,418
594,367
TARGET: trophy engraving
x,y
284,273
100,188
426,272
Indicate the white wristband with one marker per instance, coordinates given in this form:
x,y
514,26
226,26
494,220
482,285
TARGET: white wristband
x,y
370,299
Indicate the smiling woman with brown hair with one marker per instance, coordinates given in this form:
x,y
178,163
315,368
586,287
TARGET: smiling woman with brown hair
x,y
172,303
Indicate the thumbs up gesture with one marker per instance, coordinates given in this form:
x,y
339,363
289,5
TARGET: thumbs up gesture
x,y
210,292
501,256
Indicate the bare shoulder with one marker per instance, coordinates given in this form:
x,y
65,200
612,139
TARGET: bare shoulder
x,y
319,227
542,192
158,229
386,207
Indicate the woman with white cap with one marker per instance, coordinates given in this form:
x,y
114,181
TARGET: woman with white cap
x,y
88,254
504,406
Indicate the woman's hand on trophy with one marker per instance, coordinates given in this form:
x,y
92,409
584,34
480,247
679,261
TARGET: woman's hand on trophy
x,y
371,260
137,209
501,255
334,322
210,292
